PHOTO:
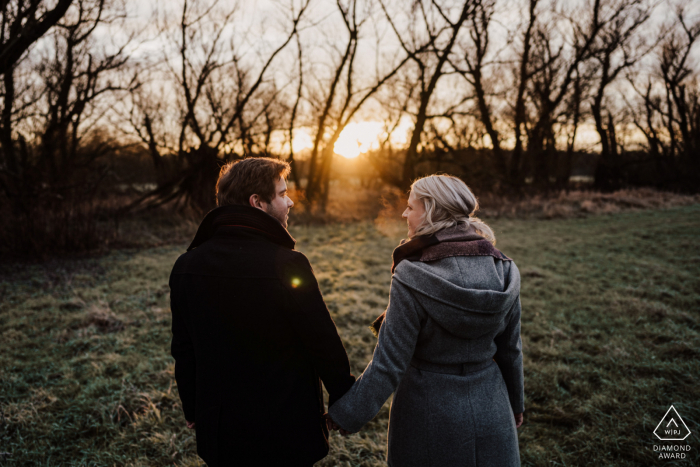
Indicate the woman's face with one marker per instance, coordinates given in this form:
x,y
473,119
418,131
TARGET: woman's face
x,y
414,213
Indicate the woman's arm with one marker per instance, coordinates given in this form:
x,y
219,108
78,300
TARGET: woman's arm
x,y
509,357
395,347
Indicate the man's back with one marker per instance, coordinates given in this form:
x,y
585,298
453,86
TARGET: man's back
x,y
251,337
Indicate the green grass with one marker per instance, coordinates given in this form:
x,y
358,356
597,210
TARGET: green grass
x,y
610,324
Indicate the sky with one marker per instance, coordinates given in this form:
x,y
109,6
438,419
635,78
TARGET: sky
x,y
258,26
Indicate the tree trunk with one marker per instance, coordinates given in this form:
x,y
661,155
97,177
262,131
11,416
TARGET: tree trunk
x,y
485,114
536,150
8,147
516,176
198,185
409,163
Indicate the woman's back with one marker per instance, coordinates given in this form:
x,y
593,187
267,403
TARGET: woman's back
x,y
449,342
463,298
449,347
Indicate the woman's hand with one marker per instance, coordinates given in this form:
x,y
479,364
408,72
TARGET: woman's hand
x,y
518,420
331,425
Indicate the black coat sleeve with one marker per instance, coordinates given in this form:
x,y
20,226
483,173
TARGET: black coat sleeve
x,y
314,325
182,350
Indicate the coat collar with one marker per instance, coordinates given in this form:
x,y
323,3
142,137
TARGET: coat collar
x,y
246,217
452,241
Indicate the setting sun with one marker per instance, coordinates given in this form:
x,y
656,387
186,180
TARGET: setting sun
x,y
358,138
361,137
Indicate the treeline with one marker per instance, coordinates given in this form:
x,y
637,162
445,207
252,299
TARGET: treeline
x,y
508,93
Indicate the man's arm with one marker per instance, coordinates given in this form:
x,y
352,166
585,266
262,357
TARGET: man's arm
x,y
182,350
314,325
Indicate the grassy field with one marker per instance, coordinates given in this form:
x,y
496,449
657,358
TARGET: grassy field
x,y
611,337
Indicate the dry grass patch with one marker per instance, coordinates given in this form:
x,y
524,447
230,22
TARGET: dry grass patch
x,y
580,203
611,313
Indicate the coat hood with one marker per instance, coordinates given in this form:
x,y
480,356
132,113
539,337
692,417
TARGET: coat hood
x,y
456,304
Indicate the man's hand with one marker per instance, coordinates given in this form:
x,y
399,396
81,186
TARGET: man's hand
x,y
331,425
518,420
190,425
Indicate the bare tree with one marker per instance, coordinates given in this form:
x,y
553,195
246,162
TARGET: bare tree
x,y
56,143
573,117
429,50
74,80
615,50
477,59
69,81
219,116
555,69
524,74
343,101
670,120
396,99
295,109
23,23
349,15
549,82
675,70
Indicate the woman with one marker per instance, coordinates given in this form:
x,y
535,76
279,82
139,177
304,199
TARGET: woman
x,y
449,342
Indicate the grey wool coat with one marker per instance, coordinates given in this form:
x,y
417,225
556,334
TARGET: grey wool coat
x,y
450,351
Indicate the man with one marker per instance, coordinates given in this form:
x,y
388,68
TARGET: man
x,y
252,337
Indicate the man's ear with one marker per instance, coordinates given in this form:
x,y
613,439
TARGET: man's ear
x,y
254,201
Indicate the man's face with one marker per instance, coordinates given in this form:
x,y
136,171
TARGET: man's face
x,y
280,205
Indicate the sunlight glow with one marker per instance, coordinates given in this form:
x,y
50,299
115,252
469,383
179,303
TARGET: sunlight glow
x,y
302,140
358,138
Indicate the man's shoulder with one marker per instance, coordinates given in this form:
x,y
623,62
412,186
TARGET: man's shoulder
x,y
181,263
242,259
298,257
293,262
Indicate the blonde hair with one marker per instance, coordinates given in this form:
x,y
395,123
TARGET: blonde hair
x,y
448,202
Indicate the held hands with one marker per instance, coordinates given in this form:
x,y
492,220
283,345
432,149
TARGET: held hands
x,y
331,425
190,425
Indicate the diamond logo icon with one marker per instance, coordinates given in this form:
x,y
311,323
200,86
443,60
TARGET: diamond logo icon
x,y
672,427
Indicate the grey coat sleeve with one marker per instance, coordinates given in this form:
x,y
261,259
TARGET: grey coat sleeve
x,y
509,357
396,344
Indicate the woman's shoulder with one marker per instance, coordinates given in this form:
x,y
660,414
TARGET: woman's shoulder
x,y
473,272
414,270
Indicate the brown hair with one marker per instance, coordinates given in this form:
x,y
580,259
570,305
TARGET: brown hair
x,y
239,180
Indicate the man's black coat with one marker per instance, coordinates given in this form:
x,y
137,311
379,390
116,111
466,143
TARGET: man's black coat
x,y
251,338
